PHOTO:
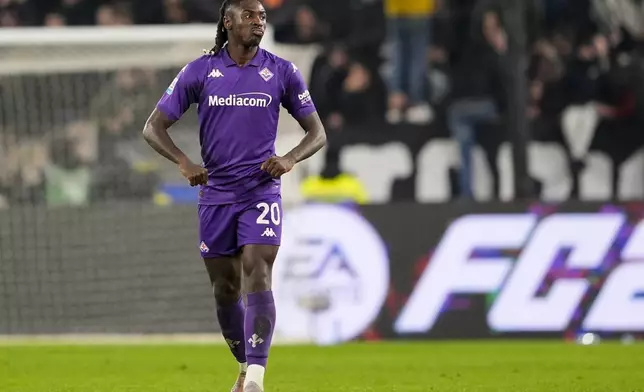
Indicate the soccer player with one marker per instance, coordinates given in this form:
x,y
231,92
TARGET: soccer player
x,y
239,88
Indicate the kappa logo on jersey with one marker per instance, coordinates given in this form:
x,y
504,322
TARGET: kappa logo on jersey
x,y
588,240
266,74
294,68
215,73
203,248
269,233
253,100
305,97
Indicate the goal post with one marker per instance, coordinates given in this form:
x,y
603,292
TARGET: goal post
x,y
75,49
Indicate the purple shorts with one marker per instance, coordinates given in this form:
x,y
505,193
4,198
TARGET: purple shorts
x,y
225,229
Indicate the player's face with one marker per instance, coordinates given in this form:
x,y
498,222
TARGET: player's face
x,y
249,22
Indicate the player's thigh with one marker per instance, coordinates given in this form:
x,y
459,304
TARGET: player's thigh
x,y
225,277
260,222
224,270
218,231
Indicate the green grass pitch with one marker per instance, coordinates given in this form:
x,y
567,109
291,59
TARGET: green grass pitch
x,y
374,367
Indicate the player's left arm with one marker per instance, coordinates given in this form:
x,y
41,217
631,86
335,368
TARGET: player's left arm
x,y
314,138
297,100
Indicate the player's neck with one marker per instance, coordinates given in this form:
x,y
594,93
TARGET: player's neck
x,y
241,54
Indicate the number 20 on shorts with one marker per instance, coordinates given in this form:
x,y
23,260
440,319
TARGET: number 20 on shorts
x,y
273,209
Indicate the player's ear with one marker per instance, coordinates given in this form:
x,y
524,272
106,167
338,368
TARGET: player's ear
x,y
228,23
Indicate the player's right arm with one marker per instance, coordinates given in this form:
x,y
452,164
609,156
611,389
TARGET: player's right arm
x,y
156,134
177,99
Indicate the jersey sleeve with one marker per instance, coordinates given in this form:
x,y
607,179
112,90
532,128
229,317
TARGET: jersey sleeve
x,y
182,92
297,99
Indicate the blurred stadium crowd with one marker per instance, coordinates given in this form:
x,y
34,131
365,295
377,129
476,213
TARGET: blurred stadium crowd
x,y
431,63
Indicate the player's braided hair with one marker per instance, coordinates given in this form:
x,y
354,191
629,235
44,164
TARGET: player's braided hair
x,y
222,33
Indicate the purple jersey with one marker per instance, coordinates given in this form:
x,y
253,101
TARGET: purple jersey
x,y
238,110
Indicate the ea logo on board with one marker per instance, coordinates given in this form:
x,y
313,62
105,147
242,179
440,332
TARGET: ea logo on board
x,y
331,276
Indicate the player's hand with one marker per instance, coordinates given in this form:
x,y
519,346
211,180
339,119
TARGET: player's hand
x,y
194,173
276,166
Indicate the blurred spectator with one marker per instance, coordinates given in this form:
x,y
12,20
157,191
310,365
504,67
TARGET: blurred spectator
x,y
15,13
505,9
478,95
347,93
114,15
130,90
55,20
68,178
365,35
546,63
409,29
175,12
609,81
9,18
614,15
304,28
22,174
118,125
8,163
361,101
328,73
78,12
547,96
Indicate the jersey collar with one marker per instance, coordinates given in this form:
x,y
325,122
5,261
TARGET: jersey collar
x,y
255,62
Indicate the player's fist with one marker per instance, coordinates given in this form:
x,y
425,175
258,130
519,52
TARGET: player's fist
x,y
194,173
276,166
